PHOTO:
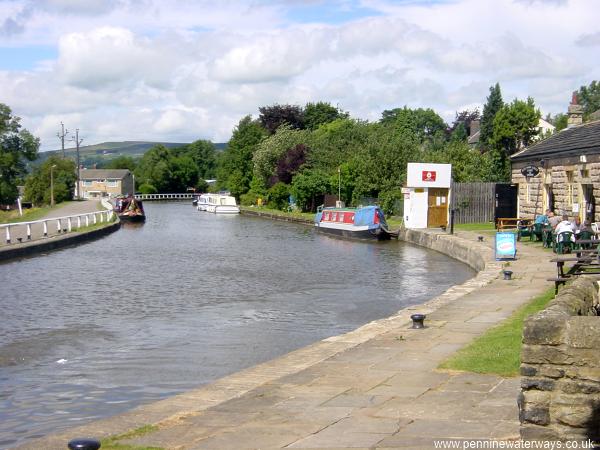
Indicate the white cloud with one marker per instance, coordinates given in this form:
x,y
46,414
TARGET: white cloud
x,y
181,70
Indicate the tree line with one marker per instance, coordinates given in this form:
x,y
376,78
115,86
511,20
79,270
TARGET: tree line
x,y
305,152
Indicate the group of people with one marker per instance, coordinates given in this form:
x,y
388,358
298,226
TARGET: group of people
x,y
560,225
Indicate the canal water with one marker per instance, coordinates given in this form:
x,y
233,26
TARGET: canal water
x,y
188,297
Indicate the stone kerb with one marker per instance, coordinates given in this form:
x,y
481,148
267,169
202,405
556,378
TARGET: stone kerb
x,y
560,367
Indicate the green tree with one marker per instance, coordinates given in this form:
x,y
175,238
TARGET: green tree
x,y
120,162
589,98
515,127
56,171
184,173
154,168
235,171
424,123
317,114
493,104
17,145
278,196
204,155
560,121
272,149
336,143
272,117
309,187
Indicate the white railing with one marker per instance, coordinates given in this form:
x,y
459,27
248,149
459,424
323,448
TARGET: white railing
x,y
63,224
181,196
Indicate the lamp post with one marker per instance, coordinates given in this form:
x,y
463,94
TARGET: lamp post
x,y
52,184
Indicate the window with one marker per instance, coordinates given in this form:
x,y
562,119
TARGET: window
x,y
87,182
111,183
569,191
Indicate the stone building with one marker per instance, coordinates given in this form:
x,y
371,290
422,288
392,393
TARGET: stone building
x,y
562,172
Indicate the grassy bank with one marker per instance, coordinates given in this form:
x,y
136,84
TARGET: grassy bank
x,y
29,214
499,350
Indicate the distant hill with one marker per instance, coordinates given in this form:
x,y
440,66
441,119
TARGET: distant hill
x,y
105,151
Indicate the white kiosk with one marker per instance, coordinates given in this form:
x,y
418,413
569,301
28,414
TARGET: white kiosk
x,y
427,195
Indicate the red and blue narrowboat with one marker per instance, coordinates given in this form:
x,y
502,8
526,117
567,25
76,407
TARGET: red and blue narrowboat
x,y
367,222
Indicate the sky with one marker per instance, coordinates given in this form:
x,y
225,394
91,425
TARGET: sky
x,y
182,70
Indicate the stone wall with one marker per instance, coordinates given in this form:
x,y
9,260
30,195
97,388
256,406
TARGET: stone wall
x,y
560,367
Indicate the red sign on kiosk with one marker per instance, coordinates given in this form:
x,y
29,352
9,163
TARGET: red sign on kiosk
x,y
428,175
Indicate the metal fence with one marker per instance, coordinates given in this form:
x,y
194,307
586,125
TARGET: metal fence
x,y
473,202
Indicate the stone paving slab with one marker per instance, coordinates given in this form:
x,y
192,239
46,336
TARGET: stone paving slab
x,y
375,387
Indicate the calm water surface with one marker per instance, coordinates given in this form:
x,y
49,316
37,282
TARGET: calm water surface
x,y
187,297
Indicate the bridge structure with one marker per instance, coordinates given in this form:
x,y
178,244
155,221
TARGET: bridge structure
x,y
163,197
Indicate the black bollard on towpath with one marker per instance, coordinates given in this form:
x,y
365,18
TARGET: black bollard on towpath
x,y
507,274
418,320
84,444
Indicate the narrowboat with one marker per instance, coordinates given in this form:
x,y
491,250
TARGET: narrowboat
x,y
129,209
366,222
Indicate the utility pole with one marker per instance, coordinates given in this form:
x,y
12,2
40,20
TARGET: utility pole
x,y
61,136
77,142
52,184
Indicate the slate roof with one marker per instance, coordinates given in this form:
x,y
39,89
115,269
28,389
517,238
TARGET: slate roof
x,y
580,140
103,174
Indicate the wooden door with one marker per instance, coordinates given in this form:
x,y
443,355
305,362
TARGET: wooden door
x,y
437,211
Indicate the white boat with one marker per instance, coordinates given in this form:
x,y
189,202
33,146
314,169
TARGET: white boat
x,y
202,202
218,204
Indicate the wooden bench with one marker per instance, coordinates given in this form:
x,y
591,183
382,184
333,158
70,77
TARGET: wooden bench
x,y
505,223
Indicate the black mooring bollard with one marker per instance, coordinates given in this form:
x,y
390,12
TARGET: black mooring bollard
x,y
480,238
418,320
507,274
84,444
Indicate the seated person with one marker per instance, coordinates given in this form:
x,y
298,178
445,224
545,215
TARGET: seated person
x,y
542,218
553,220
564,225
587,226
576,225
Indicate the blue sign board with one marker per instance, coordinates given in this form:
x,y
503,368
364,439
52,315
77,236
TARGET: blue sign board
x,y
506,246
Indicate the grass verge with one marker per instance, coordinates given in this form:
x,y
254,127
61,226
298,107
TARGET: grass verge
x,y
277,212
29,215
112,442
498,351
485,226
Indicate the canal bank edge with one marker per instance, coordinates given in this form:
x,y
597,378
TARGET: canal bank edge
x,y
37,246
171,410
56,242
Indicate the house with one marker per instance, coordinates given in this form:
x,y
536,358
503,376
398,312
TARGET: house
x,y
561,172
544,128
94,183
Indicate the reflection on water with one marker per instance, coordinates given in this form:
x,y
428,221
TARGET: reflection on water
x,y
187,297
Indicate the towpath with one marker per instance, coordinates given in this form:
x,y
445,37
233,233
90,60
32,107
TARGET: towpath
x,y
37,229
376,387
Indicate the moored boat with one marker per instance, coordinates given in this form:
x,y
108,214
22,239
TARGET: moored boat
x,y
202,202
366,222
218,204
130,209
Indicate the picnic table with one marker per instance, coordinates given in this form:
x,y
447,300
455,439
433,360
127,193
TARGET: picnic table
x,y
587,263
505,223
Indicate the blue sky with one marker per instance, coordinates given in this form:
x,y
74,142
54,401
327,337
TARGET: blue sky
x,y
26,58
182,70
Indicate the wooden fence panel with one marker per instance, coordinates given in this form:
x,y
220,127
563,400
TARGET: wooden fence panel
x,y
473,202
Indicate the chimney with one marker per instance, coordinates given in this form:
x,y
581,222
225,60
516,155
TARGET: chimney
x,y
575,112
474,127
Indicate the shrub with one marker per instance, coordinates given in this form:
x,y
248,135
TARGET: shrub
x,y
147,189
278,196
